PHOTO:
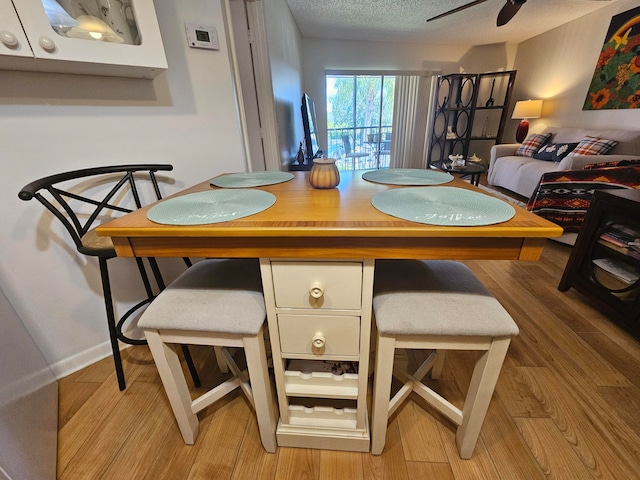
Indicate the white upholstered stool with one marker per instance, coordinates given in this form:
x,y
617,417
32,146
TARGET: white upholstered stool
x,y
218,303
436,305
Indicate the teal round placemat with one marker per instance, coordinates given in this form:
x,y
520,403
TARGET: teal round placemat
x,y
443,206
250,179
213,206
407,176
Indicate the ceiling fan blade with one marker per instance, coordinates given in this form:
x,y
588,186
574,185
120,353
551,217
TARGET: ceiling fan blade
x,y
508,11
456,10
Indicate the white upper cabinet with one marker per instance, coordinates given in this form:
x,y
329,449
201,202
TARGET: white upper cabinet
x,y
13,41
95,37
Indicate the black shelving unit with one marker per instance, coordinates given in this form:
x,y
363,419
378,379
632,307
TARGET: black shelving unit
x,y
469,113
609,212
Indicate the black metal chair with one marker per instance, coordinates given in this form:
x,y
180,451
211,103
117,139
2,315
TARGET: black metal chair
x,y
63,196
354,156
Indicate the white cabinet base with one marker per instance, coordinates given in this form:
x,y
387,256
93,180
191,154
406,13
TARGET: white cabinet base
x,y
320,312
323,438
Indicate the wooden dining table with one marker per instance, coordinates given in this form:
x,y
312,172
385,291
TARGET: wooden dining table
x,y
335,223
317,250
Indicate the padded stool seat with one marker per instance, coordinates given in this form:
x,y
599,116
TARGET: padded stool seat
x,y
436,305
224,296
436,298
218,303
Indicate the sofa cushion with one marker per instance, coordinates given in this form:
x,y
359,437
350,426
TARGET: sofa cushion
x,y
519,174
554,152
593,146
532,144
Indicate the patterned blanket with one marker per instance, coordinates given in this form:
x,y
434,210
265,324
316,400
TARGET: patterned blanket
x,y
563,197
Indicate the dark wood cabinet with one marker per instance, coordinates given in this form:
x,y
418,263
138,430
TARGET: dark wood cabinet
x,y
605,261
469,114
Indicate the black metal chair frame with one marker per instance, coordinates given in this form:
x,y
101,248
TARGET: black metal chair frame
x,y
57,202
349,153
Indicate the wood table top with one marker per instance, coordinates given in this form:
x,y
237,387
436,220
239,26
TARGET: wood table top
x,y
336,223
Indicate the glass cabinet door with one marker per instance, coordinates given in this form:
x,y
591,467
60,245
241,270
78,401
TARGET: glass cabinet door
x,y
95,20
104,37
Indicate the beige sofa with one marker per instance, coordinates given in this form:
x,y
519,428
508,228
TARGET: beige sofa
x,y
521,174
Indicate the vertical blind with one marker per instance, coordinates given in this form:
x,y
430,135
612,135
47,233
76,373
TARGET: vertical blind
x,y
411,114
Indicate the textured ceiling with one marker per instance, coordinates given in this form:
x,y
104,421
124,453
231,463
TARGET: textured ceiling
x,y
405,20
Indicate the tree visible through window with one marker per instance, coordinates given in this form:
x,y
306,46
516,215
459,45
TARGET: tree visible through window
x,y
360,120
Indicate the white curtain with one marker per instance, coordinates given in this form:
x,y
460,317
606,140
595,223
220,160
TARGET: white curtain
x,y
410,141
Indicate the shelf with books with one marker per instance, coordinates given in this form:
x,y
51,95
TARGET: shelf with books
x,y
625,273
605,261
631,251
621,235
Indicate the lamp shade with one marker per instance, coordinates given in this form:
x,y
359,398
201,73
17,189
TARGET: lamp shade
x,y
527,109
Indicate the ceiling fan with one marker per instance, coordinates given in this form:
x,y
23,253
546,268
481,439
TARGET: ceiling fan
x,y
507,12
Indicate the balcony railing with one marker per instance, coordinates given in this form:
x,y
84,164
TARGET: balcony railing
x,y
360,148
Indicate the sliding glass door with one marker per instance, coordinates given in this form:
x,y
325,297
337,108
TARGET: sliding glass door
x,y
360,120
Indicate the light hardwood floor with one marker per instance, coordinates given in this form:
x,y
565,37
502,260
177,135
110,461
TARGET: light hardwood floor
x,y
566,406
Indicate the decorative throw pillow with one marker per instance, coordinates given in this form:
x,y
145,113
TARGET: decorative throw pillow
x,y
532,144
554,152
593,146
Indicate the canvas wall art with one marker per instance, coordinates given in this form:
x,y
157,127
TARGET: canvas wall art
x,y
616,80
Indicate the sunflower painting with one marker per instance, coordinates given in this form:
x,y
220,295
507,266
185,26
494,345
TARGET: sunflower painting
x,y
616,80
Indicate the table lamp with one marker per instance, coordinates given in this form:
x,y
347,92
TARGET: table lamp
x,y
525,110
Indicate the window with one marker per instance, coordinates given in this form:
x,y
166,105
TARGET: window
x,y
360,120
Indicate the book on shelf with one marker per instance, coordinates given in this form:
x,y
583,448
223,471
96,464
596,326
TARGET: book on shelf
x,y
614,240
621,235
631,250
624,272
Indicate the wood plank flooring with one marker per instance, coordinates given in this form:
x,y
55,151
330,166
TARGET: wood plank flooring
x,y
566,406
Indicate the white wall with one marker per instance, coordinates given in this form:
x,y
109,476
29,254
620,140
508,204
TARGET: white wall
x,y
558,66
28,403
52,123
284,43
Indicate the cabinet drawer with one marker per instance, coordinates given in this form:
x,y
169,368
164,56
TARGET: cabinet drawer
x,y
335,285
319,335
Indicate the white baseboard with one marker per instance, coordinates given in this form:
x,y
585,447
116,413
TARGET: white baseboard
x,y
83,359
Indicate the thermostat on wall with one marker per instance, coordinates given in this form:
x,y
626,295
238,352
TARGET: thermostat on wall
x,y
202,36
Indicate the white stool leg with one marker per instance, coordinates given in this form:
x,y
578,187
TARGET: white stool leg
x,y
436,370
381,392
222,363
168,365
483,381
256,356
